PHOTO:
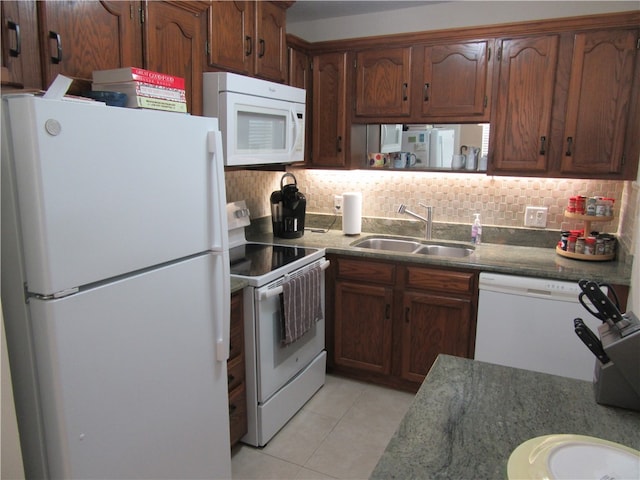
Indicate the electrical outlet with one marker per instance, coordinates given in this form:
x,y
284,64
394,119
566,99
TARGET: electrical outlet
x,y
337,204
535,217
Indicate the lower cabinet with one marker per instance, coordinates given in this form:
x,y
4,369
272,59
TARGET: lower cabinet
x,y
390,320
236,372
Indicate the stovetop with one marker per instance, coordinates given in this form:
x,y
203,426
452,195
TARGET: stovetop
x,y
258,259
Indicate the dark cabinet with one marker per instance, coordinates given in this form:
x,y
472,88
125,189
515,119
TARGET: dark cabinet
x,y
249,37
390,321
236,371
20,49
383,82
455,80
174,39
521,125
329,117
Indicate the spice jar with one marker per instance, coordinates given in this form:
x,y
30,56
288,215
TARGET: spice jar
x,y
581,204
599,246
571,243
590,246
580,242
564,238
591,205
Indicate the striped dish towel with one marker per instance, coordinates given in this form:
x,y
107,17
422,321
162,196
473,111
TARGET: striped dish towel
x,y
301,304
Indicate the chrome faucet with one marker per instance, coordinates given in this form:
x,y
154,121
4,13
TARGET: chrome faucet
x,y
428,220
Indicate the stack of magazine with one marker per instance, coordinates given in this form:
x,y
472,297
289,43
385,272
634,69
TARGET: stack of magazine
x,y
144,88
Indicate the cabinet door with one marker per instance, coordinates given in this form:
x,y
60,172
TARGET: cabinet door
x,y
300,76
523,101
363,326
598,104
175,44
329,110
20,50
382,82
432,324
271,46
231,35
455,80
79,37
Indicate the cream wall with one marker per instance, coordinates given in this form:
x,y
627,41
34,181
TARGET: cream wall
x,y
449,15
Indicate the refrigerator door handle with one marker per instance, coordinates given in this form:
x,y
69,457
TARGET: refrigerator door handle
x,y
218,200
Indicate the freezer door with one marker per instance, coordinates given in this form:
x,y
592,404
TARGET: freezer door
x,y
103,191
129,380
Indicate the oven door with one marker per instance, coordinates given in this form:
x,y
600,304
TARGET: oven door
x,y
277,364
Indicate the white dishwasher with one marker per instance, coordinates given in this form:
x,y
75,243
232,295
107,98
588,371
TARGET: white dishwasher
x,y
527,322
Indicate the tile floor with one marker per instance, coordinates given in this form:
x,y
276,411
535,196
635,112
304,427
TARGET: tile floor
x,y
340,433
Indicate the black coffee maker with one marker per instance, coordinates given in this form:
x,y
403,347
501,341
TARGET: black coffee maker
x,y
288,207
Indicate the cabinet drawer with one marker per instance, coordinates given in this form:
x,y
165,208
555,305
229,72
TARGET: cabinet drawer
x,y
237,414
440,280
235,372
371,272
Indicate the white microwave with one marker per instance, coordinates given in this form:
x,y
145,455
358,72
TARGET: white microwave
x,y
261,122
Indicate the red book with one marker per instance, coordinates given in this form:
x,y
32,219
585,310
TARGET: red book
x,y
127,74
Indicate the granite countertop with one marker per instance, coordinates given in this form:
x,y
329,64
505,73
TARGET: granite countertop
x,y
468,417
488,257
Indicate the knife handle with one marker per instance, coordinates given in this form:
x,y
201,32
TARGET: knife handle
x,y
592,342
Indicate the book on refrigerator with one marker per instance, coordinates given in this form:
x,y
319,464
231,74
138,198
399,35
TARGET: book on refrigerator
x,y
127,74
143,89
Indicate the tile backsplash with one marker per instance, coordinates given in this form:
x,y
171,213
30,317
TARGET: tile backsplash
x,y
501,201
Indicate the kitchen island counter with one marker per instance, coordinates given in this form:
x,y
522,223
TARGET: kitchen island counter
x,y
468,417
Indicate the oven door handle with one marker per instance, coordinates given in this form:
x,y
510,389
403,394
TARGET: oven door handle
x,y
278,290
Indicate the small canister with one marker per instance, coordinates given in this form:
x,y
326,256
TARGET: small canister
x,y
590,246
591,206
601,208
580,242
573,203
581,204
564,238
571,243
599,246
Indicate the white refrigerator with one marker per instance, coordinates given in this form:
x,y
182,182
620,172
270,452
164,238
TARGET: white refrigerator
x,y
115,289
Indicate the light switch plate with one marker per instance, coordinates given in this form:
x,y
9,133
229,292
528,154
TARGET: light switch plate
x,y
535,217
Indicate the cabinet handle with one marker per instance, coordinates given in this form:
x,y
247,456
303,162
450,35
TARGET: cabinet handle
x,y
232,408
230,378
14,52
407,316
262,48
387,312
56,36
569,145
426,92
405,86
543,145
339,144
249,43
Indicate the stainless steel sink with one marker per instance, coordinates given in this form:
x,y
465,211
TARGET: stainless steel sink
x,y
389,244
412,246
445,250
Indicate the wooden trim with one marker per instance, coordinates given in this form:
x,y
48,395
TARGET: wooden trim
x,y
587,22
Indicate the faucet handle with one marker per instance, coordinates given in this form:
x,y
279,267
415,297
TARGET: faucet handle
x,y
425,206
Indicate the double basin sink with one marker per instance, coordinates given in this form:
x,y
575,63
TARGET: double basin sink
x,y
408,245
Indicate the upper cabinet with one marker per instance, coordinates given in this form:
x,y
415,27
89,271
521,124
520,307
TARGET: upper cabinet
x,y
20,50
249,37
524,96
564,105
174,37
329,119
383,82
78,37
455,79
598,103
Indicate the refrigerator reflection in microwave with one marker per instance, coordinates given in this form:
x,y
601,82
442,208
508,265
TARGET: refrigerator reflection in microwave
x,y
433,147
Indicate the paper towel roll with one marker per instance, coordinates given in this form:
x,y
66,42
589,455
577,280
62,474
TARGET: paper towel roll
x,y
352,213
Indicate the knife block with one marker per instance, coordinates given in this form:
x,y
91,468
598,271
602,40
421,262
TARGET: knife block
x,y
617,383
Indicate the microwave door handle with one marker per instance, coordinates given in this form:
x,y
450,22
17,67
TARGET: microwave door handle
x,y
294,130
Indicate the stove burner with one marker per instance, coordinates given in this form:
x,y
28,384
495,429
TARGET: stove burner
x,y
256,259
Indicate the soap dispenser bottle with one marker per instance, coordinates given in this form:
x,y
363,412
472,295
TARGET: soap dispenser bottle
x,y
476,230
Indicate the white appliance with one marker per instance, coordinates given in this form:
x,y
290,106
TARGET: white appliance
x,y
280,378
262,122
115,284
527,323
390,138
417,142
441,147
